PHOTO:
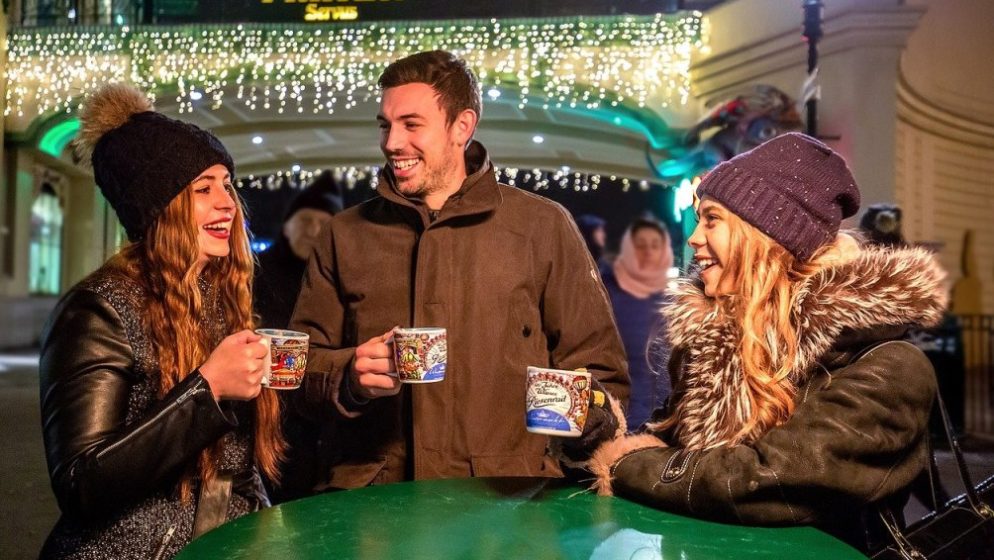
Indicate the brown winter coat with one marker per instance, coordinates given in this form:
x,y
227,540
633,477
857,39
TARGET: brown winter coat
x,y
507,273
857,437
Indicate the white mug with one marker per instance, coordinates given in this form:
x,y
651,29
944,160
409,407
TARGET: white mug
x,y
556,401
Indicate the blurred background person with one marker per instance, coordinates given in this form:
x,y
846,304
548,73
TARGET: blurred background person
x,y
637,283
277,283
592,228
277,278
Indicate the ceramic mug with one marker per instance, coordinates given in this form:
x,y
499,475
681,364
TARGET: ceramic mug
x,y
556,401
287,358
420,354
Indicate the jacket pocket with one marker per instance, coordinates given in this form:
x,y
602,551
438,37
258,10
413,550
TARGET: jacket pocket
x,y
514,465
677,465
523,336
354,475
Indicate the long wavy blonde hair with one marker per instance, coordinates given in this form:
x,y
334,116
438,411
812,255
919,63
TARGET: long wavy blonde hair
x,y
164,262
767,281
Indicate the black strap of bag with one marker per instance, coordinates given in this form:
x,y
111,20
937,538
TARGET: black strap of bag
x,y
961,528
972,498
212,504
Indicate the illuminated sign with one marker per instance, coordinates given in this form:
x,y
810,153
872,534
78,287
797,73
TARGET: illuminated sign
x,y
331,13
332,10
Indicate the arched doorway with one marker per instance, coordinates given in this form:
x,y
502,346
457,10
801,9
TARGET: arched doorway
x,y
45,249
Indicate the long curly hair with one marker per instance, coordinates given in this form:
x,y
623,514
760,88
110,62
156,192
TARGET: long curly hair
x,y
164,262
767,283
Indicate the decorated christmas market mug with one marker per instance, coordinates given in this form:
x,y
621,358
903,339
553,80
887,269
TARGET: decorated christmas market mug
x,y
420,354
556,401
287,358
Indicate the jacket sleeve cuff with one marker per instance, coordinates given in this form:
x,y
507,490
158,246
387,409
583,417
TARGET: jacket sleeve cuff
x,y
347,396
223,408
606,459
216,416
325,389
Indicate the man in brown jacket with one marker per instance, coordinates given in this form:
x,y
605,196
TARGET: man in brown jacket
x,y
444,245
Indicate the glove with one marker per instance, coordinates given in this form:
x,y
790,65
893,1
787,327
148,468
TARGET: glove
x,y
601,425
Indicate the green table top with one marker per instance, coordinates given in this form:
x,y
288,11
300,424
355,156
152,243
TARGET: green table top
x,y
504,518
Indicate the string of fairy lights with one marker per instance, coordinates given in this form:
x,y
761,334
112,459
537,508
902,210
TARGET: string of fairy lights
x,y
292,68
352,177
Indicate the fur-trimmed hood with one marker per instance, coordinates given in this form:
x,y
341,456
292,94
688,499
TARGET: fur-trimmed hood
x,y
880,287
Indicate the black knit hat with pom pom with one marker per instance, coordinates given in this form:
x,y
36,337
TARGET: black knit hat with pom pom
x,y
142,159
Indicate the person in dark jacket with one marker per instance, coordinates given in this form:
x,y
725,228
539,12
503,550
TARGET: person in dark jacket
x,y
637,283
277,284
594,232
281,267
794,402
444,245
152,414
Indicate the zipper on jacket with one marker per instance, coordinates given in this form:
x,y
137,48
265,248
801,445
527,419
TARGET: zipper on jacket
x,y
189,392
416,273
413,459
164,543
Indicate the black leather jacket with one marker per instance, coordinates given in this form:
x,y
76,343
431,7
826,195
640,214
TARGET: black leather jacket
x,y
115,449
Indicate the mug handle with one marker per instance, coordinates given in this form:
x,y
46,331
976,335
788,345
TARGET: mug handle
x,y
267,370
393,352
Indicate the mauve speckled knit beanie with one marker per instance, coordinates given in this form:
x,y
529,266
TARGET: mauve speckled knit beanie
x,y
793,188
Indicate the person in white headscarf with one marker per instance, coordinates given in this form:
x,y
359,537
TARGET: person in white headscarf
x,y
636,283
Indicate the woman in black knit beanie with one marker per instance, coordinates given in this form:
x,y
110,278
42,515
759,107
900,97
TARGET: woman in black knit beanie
x,y
792,401
154,420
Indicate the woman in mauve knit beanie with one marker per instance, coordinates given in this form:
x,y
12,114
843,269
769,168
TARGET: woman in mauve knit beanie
x,y
792,402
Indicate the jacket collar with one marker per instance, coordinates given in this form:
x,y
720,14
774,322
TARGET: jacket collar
x,y
841,308
478,194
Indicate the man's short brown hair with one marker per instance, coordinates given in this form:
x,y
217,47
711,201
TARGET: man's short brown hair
x,y
454,83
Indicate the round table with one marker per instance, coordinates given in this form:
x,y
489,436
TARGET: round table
x,y
498,518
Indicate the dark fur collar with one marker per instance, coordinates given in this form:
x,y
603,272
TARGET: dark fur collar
x,y
879,287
